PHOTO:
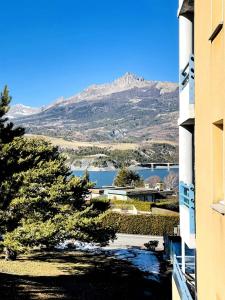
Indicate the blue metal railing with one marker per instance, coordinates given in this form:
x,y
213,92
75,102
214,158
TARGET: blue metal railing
x,y
187,198
187,75
180,281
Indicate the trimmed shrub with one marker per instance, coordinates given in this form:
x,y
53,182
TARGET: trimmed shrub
x,y
142,224
168,204
100,203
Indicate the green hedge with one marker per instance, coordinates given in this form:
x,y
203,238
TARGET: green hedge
x,y
142,224
172,204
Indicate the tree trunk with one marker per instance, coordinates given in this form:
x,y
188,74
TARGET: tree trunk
x,y
10,254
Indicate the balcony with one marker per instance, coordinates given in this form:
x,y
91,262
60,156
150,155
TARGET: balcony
x,y
186,7
187,199
187,92
185,281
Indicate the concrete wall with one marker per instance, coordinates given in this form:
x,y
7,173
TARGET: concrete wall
x,y
117,197
148,198
210,152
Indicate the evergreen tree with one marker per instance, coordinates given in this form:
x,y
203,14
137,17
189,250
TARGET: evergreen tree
x,y
7,130
126,177
86,175
41,203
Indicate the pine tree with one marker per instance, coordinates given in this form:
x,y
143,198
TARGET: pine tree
x,y
7,130
86,175
126,177
41,203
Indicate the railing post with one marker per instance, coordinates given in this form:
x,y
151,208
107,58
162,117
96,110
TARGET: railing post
x,y
183,255
192,208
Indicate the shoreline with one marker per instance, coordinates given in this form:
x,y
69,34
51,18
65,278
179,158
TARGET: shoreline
x,y
111,169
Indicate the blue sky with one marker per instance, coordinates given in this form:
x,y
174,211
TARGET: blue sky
x,y
53,48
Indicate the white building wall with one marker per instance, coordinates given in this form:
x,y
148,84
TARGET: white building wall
x,y
185,155
186,116
185,41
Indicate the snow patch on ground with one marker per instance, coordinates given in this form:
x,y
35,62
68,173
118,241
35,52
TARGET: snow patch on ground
x,y
81,246
144,260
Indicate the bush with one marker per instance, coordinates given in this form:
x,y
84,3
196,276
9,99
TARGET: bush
x,y
100,203
142,224
151,245
168,204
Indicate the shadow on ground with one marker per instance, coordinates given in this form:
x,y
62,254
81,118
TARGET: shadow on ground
x,y
87,277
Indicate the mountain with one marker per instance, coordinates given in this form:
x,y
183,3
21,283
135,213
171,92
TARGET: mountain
x,y
124,83
20,110
128,109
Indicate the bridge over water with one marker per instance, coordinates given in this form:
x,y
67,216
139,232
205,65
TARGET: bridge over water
x,y
156,165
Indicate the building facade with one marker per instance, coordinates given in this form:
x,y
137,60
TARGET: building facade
x,y
210,148
142,194
199,265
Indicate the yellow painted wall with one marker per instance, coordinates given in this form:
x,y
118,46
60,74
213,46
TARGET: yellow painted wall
x,y
175,293
209,108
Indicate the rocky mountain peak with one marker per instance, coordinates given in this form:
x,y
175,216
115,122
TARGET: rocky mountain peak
x,y
129,79
126,82
98,92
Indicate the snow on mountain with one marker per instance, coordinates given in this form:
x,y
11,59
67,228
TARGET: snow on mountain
x,y
20,110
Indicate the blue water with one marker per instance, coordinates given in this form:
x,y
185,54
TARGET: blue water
x,y
103,178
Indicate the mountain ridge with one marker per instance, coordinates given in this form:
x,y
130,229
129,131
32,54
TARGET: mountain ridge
x,y
128,109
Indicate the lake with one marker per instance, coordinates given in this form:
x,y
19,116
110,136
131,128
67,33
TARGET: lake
x,y
103,178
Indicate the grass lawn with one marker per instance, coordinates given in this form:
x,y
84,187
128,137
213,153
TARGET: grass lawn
x,y
159,208
164,212
140,205
76,275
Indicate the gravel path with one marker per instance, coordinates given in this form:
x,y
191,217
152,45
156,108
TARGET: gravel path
x,y
125,241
